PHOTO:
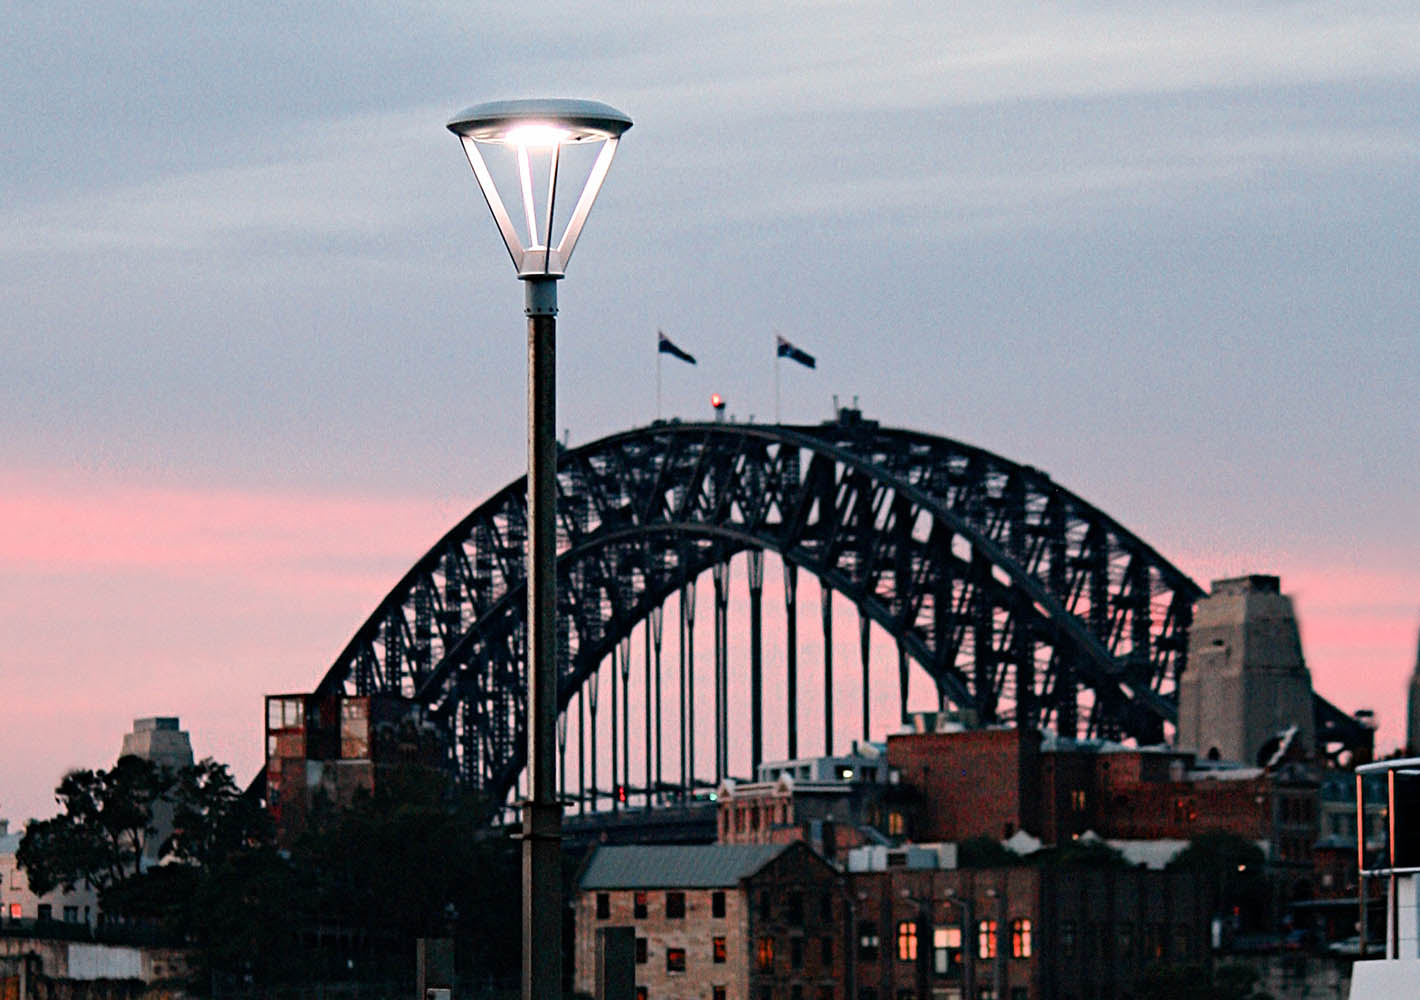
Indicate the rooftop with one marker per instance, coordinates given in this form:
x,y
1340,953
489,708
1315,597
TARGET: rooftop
x,y
700,866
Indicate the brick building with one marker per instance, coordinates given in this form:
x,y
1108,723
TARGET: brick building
x,y
1022,933
994,782
979,782
717,922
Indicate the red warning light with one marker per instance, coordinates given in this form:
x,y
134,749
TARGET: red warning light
x,y
717,401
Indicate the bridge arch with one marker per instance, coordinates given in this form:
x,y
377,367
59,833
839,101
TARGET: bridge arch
x,y
1022,602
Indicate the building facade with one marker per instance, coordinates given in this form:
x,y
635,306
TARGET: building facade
x,y
1021,933
717,922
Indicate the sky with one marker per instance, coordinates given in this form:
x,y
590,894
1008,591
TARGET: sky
x,y
262,345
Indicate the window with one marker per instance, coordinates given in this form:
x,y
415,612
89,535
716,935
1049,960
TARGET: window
x,y
796,953
642,993
46,911
796,992
717,950
1067,938
717,904
764,906
675,905
796,909
825,993
675,959
825,907
764,953
1077,799
603,906
71,914
1020,993
946,951
641,951
638,905
1020,938
906,941
1126,941
717,993
986,993
868,941
826,943
986,939
895,824
14,911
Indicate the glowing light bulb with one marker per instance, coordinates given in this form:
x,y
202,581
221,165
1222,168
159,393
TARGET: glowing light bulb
x,y
536,135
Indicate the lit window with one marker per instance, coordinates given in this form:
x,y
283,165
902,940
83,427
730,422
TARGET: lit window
x,y
764,953
717,950
1077,799
642,993
1020,938
675,959
14,911
986,939
638,905
906,941
675,905
895,825
946,950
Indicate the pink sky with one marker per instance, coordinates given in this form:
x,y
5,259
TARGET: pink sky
x,y
120,601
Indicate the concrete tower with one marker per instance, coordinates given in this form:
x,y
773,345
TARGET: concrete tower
x,y
1245,681
1412,720
162,741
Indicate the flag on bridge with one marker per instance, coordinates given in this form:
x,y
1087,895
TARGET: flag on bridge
x,y
788,350
664,346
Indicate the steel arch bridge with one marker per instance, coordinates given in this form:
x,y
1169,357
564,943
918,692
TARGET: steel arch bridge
x,y
1023,603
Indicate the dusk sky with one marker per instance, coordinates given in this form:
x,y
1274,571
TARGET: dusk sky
x,y
263,345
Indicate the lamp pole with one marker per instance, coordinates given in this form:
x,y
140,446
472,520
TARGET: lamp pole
x,y
529,132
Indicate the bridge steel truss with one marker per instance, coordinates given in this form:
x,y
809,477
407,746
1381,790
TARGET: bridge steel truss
x,y
1023,603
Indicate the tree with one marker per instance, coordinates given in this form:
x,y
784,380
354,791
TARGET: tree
x,y
212,818
103,831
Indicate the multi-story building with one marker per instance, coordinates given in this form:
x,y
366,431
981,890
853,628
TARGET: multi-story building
x,y
833,803
1021,933
719,921
325,748
19,905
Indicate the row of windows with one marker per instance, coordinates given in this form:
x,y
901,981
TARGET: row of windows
x,y
674,906
675,957
45,911
946,942
764,952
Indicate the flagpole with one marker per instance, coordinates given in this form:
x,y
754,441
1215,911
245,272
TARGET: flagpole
x,y
658,377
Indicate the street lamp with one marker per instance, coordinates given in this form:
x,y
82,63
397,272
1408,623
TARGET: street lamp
x,y
533,136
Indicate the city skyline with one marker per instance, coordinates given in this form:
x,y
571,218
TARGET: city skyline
x,y
263,346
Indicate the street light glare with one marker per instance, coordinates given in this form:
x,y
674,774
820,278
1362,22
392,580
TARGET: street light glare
x,y
536,135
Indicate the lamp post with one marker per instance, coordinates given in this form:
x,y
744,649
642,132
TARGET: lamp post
x,y
531,136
